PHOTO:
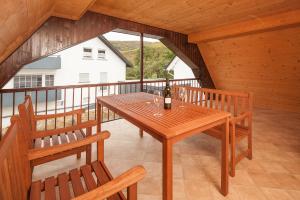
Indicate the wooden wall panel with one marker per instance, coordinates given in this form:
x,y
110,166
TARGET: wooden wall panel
x,y
57,34
18,20
267,64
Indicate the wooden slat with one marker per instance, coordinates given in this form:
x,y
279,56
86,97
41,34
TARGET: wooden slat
x,y
76,182
103,178
88,177
64,191
35,192
50,188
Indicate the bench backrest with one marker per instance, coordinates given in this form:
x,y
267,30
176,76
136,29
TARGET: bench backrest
x,y
15,172
233,102
27,118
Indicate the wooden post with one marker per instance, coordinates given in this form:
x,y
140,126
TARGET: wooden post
x,y
167,170
224,164
100,143
142,61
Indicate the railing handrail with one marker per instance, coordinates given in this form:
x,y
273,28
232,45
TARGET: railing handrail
x,y
88,85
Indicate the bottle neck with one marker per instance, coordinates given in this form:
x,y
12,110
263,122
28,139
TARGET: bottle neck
x,y
167,82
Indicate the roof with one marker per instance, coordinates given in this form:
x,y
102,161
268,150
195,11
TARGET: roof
x,y
51,62
116,51
171,66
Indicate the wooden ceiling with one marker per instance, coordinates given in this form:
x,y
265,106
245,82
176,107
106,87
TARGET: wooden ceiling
x,y
188,16
19,18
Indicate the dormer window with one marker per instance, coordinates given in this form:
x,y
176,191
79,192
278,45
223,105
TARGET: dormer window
x,y
87,53
101,54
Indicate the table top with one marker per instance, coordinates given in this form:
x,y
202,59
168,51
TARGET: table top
x,y
139,109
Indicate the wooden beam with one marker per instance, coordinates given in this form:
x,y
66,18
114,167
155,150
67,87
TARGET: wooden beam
x,y
142,61
57,34
251,26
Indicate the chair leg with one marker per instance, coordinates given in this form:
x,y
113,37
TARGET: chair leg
x,y
250,144
141,133
233,158
79,155
88,156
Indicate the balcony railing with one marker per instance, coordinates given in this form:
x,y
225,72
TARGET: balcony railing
x,y
49,100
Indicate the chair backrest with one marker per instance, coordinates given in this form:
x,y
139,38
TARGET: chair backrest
x,y
27,118
15,172
233,102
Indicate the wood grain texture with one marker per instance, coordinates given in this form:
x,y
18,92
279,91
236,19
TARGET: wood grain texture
x,y
265,63
191,15
271,22
71,9
57,34
18,20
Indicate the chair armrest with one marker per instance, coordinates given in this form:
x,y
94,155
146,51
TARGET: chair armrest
x,y
50,116
116,185
42,152
240,117
39,134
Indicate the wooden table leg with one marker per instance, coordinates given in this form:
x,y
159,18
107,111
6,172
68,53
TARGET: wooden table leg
x,y
224,168
167,170
100,143
141,133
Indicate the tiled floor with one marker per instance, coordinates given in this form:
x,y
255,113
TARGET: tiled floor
x,y
273,174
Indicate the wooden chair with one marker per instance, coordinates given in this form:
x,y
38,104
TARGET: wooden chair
x,y
41,139
88,182
239,104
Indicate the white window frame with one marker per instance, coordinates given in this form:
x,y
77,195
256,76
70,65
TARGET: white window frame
x,y
83,79
101,57
49,81
87,55
27,81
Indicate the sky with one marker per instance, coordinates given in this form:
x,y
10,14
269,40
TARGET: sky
x,y
112,36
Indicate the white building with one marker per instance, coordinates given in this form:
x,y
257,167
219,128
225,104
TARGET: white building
x,y
90,62
181,70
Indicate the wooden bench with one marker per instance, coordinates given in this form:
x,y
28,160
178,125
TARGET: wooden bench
x,y
47,138
239,104
88,182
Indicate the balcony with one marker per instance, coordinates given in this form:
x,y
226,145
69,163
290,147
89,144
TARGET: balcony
x,y
197,161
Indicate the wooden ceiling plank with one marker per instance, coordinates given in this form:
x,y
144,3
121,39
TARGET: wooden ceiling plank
x,y
246,27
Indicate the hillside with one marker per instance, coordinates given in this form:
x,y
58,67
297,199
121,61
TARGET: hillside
x,y
156,57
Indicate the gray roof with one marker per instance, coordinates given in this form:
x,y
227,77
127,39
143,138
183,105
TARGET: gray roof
x,y
51,62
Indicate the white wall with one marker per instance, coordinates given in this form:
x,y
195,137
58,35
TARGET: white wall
x,y
181,70
73,64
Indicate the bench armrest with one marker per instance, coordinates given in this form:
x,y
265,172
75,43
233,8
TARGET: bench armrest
x,y
83,125
116,185
50,116
42,152
240,117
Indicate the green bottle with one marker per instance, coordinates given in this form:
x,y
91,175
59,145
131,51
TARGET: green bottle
x,y
167,95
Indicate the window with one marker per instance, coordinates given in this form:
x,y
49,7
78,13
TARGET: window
x,y
101,54
27,81
49,80
103,79
87,53
84,77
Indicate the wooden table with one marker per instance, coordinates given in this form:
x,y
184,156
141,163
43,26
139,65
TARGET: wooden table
x,y
174,125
